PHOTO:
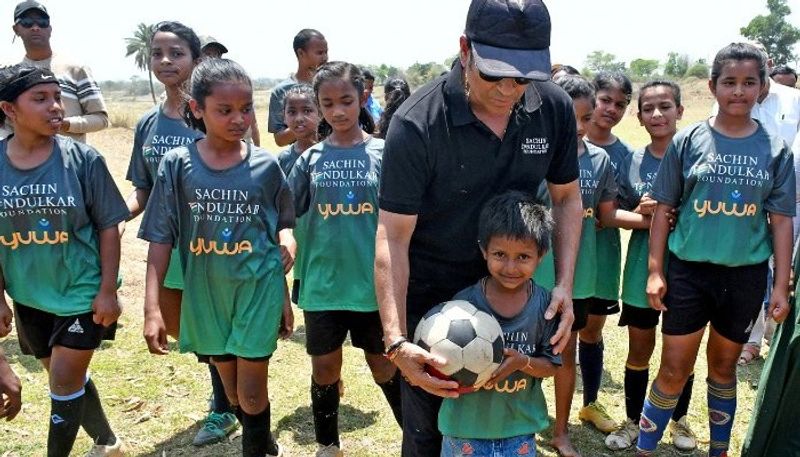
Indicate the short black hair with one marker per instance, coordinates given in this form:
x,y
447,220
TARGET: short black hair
x,y
738,52
515,215
367,74
676,90
783,70
303,37
576,87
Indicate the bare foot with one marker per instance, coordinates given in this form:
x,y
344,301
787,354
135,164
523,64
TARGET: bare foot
x,y
563,446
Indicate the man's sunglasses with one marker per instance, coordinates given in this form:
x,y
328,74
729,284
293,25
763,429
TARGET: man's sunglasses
x,y
495,79
28,22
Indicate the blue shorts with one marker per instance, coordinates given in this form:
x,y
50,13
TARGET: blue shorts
x,y
523,445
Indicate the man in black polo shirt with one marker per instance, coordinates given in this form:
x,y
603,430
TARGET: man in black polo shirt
x,y
494,123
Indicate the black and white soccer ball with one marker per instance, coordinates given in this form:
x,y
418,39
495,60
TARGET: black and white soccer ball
x,y
470,340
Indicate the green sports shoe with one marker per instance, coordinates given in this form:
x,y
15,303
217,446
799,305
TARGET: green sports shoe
x,y
216,427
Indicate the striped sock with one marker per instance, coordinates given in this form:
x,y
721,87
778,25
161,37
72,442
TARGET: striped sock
x,y
721,411
654,418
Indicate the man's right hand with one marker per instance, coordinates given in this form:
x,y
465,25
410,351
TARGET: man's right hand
x,y
411,360
560,302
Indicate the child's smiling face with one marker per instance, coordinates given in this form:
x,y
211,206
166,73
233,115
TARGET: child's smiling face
x,y
511,262
610,105
658,112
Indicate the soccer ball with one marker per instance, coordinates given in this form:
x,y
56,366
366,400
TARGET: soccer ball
x,y
471,341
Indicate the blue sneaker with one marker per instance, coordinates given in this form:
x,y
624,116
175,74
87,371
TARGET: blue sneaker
x,y
216,427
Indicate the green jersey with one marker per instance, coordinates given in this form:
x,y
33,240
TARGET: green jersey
x,y
50,217
336,191
155,135
287,158
724,187
636,177
609,247
516,405
596,180
225,225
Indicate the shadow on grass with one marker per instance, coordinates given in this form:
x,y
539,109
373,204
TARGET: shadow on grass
x,y
300,424
10,346
181,444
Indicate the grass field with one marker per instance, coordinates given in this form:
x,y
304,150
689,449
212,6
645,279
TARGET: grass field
x,y
156,404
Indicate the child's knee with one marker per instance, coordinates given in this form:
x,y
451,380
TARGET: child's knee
x,y
326,373
252,401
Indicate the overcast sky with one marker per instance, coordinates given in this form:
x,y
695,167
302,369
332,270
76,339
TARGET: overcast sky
x,y
397,32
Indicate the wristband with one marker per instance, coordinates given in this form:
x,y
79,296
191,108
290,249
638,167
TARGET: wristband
x,y
391,350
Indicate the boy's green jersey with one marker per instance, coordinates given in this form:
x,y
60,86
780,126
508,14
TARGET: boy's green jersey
x,y
724,187
609,247
597,185
636,177
336,192
50,219
225,225
516,405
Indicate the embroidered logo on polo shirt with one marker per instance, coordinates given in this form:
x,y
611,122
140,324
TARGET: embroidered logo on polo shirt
x,y
536,146
75,327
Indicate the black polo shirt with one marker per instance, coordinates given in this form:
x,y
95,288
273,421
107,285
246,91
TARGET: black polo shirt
x,y
441,164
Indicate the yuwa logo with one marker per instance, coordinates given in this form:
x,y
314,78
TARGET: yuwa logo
x,y
588,213
349,209
31,237
702,208
202,246
507,387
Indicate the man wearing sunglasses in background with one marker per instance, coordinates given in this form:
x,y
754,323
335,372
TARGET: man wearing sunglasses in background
x,y
84,107
495,122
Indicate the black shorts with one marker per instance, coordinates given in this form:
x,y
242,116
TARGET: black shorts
x,y
602,307
580,308
327,330
699,292
207,359
295,291
38,331
641,318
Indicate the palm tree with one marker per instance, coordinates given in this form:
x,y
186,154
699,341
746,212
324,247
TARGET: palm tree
x,y
139,48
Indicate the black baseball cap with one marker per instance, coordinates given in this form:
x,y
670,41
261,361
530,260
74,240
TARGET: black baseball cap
x,y
510,38
29,5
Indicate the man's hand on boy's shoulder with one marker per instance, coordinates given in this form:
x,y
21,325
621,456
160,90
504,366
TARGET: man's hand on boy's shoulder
x,y
560,302
411,360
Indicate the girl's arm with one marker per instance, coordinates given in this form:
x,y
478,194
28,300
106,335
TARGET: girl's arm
x,y
781,227
288,247
137,201
611,216
105,307
656,283
155,332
